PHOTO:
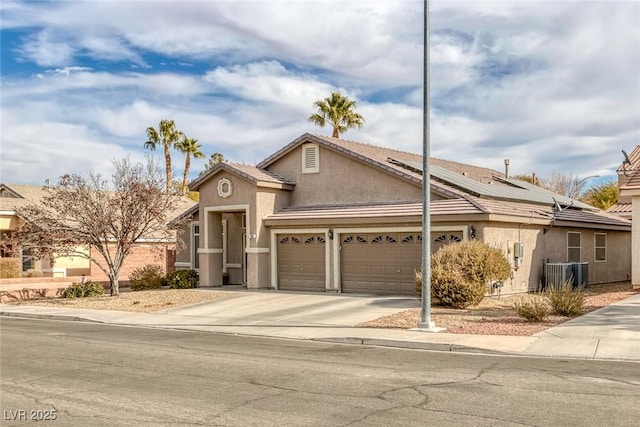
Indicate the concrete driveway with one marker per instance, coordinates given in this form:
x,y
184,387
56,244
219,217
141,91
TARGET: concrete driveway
x,y
278,308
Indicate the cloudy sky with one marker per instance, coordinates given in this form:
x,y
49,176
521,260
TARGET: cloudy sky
x,y
551,85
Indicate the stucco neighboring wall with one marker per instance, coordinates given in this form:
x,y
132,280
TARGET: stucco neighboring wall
x,y
342,180
9,222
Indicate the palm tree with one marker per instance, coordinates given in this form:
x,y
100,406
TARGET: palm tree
x,y
168,135
338,111
189,147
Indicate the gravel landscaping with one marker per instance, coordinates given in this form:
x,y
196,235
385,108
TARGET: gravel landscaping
x,y
493,316
140,301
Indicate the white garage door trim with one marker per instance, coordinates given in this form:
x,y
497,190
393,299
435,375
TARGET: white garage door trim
x,y
337,278
274,252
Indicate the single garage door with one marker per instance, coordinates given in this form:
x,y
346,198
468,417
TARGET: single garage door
x,y
380,263
301,262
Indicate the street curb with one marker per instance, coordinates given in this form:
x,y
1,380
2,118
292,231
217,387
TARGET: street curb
x,y
49,317
376,342
412,345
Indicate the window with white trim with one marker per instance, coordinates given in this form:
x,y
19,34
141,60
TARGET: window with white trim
x,y
310,158
573,246
601,247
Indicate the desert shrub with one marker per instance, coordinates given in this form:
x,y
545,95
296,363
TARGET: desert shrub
x,y
461,272
147,277
81,290
533,308
182,279
565,300
9,268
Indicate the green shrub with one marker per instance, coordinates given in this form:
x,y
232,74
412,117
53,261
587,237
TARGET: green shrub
x,y
147,277
566,301
81,290
182,279
9,268
533,308
461,272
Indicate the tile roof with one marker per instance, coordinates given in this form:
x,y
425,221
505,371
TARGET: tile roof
x,y
375,210
27,194
380,156
620,208
449,178
634,157
33,194
632,182
249,172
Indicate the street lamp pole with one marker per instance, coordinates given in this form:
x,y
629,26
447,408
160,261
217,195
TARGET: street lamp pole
x,y
425,314
576,191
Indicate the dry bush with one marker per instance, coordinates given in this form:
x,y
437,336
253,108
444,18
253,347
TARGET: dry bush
x,y
9,268
533,308
566,301
460,273
148,277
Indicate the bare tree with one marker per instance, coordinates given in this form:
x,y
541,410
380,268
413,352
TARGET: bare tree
x,y
99,219
565,184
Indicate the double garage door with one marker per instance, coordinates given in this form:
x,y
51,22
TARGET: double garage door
x,y
378,263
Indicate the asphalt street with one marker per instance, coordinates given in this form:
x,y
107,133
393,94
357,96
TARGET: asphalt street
x,y
92,374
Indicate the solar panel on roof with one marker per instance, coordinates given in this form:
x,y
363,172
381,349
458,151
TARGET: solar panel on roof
x,y
504,188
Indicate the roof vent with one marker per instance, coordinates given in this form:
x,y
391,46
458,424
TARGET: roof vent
x,y
310,158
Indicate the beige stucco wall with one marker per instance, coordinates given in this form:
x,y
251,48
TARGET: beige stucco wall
x,y
74,265
9,222
342,180
553,246
261,202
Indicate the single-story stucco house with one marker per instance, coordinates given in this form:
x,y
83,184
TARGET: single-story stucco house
x,y
332,215
149,251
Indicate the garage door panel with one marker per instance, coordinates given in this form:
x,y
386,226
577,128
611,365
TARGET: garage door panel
x,y
384,264
301,262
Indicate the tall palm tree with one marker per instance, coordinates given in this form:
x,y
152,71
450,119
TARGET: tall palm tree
x,y
189,147
168,135
338,111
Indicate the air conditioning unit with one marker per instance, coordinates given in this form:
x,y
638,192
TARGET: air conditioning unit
x,y
557,274
580,275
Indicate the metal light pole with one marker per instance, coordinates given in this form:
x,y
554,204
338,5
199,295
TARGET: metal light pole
x,y
577,190
425,313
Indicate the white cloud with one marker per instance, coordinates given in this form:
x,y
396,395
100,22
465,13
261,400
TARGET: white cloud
x,y
551,85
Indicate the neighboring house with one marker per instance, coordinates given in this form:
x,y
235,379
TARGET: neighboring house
x,y
148,251
326,214
629,206
623,206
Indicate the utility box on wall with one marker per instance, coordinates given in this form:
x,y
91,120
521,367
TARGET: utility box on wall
x,y
518,254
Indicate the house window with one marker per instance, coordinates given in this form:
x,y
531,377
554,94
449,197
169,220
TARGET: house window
x,y
195,244
28,261
310,158
573,246
601,247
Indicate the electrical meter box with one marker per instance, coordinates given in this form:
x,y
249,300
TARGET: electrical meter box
x,y
518,253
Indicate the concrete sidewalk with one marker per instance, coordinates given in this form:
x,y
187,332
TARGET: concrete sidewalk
x,y
610,333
